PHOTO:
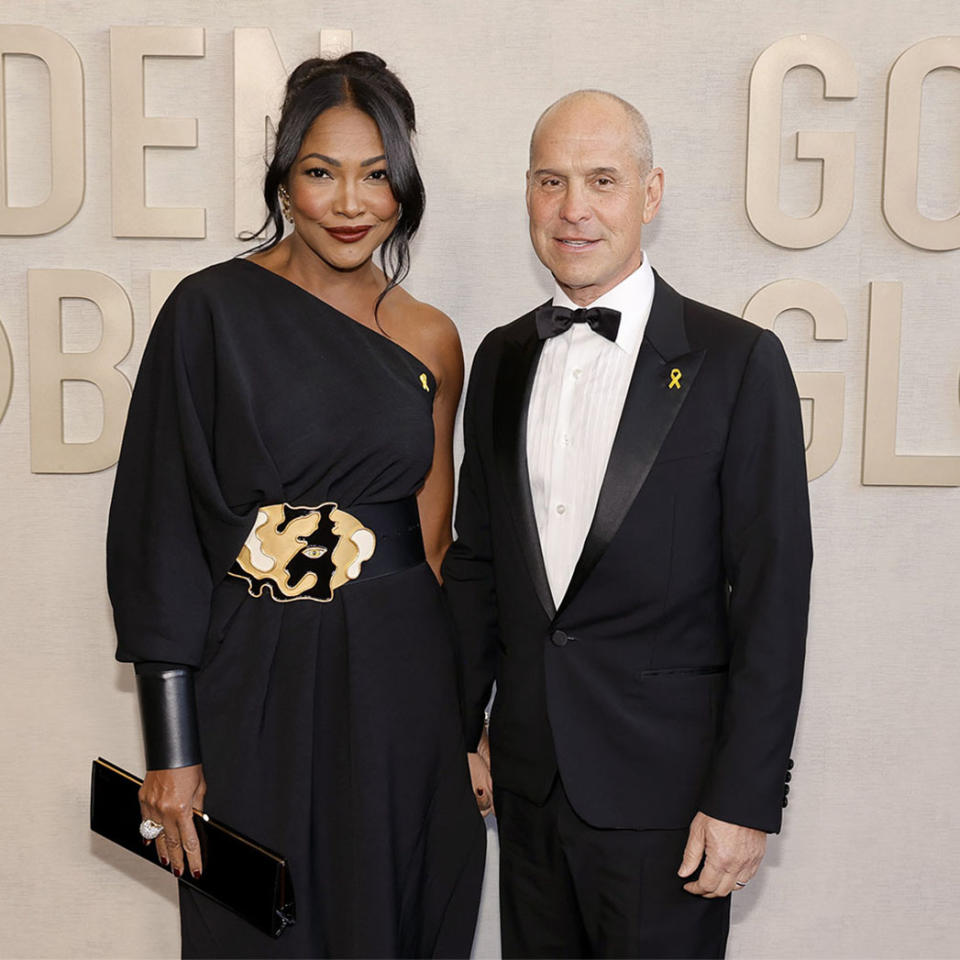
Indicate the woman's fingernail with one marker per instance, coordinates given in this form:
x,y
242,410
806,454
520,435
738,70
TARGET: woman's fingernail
x,y
146,842
196,874
177,871
165,861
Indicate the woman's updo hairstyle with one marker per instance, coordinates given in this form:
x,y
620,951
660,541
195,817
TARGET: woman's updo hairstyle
x,y
361,80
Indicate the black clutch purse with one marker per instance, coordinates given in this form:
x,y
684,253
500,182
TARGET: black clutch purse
x,y
238,873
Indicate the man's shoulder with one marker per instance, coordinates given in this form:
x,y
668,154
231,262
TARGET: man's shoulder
x,y
517,330
729,338
514,333
498,344
708,326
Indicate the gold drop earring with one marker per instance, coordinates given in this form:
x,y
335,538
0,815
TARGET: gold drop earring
x,y
285,204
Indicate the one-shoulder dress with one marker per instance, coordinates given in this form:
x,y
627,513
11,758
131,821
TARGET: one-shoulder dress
x,y
330,731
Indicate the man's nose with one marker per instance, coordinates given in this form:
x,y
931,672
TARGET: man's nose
x,y
574,207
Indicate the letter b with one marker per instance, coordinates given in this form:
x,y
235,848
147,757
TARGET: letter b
x,y
50,366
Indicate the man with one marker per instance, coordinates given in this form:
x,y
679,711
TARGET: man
x,y
632,568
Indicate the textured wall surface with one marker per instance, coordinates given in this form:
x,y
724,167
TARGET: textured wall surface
x,y
866,865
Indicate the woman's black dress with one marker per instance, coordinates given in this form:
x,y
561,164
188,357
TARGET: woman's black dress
x,y
329,731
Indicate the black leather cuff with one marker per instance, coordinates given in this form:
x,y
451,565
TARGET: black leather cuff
x,y
168,710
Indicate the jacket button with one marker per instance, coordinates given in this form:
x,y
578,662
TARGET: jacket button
x,y
787,777
786,789
790,764
785,802
559,638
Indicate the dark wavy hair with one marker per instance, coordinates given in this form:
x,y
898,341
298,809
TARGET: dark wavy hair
x,y
361,80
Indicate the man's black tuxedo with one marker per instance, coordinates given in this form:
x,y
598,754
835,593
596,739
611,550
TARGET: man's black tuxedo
x,y
668,680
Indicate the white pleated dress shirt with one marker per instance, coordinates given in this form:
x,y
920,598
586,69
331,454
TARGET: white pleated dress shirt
x,y
575,406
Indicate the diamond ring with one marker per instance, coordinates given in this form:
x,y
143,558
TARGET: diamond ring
x,y
150,829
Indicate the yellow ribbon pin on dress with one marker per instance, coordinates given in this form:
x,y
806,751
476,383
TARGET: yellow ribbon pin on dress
x,y
423,382
675,376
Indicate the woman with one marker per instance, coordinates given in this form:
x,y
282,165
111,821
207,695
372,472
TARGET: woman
x,y
282,505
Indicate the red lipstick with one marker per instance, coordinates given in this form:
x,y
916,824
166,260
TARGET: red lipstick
x,y
348,234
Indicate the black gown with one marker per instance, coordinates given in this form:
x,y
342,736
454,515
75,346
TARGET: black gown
x,y
329,731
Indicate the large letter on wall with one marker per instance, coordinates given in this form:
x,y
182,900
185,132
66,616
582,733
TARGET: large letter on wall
x,y
763,143
825,389
66,133
881,462
131,132
901,158
6,372
259,78
50,367
258,81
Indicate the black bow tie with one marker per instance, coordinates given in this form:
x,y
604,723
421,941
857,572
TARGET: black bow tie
x,y
552,321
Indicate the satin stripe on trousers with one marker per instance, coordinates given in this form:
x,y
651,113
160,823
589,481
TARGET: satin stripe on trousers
x,y
571,890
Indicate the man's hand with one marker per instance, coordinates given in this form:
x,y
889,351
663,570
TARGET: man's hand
x,y
733,853
480,775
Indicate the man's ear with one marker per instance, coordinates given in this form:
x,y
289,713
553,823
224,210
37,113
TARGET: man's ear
x,y
652,194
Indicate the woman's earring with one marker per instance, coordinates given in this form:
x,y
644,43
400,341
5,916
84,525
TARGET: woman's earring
x,y
285,204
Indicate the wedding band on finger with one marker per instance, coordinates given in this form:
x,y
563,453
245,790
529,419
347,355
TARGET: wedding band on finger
x,y
150,829
741,883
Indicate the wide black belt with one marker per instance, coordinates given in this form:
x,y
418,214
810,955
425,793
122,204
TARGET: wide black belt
x,y
308,553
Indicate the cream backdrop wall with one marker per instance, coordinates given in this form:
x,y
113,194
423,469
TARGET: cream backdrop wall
x,y
866,865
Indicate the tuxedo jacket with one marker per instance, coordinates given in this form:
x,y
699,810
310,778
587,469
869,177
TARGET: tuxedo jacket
x,y
668,679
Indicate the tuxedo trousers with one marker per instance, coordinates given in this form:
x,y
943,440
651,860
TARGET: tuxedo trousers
x,y
568,889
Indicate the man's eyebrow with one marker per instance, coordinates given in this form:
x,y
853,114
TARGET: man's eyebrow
x,y
366,163
596,171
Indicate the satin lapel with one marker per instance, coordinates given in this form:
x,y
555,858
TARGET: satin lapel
x,y
649,410
518,366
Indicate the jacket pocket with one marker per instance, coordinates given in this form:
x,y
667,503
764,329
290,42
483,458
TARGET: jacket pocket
x,y
684,671
676,455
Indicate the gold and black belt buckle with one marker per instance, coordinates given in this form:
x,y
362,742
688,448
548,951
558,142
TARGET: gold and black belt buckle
x,y
303,553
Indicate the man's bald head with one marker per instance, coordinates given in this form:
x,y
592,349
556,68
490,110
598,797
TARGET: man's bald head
x,y
591,189
643,146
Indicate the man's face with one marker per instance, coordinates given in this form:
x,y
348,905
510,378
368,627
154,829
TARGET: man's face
x,y
587,197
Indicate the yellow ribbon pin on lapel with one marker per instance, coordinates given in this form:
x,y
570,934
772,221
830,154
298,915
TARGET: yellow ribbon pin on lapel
x,y
423,382
675,376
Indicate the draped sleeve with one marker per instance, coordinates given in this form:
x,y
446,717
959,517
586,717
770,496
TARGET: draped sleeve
x,y
171,535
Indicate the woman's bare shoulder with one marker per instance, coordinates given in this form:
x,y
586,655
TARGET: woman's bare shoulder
x,y
423,318
427,332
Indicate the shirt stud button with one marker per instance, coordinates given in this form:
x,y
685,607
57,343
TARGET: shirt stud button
x,y
561,509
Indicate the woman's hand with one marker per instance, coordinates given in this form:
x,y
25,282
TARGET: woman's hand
x,y
169,798
479,763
